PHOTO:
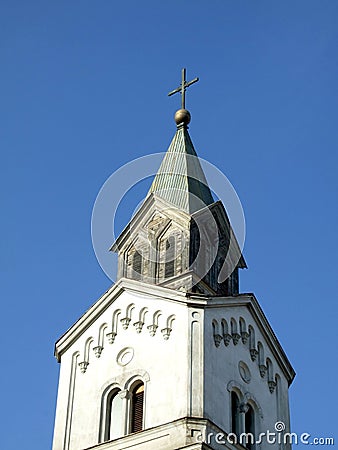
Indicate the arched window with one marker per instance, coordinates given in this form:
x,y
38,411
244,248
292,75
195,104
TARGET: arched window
x,y
137,265
137,401
170,251
235,418
114,419
250,427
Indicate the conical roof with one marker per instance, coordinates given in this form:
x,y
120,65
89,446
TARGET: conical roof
x,y
180,179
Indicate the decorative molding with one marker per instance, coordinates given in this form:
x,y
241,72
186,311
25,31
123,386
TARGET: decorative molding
x,y
248,397
166,333
243,330
70,401
115,320
271,377
83,366
157,223
240,389
131,376
124,394
111,337
256,353
125,322
138,326
152,329
85,363
98,350
142,317
222,303
262,370
170,320
218,339
227,339
125,356
168,329
244,336
272,385
243,408
253,354
215,332
244,372
235,338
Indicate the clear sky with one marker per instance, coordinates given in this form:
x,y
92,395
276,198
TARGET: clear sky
x,y
84,90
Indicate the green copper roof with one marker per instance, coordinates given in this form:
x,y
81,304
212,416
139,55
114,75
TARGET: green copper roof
x,y
180,179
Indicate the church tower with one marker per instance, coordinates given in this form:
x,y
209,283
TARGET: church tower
x,y
173,356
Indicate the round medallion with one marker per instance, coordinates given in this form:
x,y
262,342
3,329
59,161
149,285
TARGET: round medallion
x,y
125,356
244,372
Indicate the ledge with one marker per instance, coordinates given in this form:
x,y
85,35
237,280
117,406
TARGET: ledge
x,y
187,433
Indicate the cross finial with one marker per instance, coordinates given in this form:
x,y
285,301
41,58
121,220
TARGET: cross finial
x,y
183,86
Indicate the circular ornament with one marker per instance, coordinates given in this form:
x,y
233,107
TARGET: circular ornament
x,y
125,356
244,372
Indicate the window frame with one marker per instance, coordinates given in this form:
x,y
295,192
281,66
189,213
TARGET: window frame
x,y
136,385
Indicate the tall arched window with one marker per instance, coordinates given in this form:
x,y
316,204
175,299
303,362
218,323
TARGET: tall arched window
x,y
250,427
170,250
137,401
235,418
137,265
114,419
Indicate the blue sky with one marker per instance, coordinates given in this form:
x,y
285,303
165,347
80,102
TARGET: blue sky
x,y
84,90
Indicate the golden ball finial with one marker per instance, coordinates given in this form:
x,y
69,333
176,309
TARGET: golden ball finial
x,y
182,116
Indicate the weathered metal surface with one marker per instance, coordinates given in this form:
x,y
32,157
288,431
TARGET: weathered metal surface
x,y
180,179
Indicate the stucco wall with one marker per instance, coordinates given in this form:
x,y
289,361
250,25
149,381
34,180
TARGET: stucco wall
x,y
223,374
161,363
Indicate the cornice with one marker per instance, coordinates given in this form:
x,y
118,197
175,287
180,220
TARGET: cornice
x,y
247,300
89,317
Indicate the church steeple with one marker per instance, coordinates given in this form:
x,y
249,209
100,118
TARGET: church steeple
x,y
172,356
180,237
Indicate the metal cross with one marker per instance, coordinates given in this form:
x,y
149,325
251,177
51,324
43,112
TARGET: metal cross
x,y
183,86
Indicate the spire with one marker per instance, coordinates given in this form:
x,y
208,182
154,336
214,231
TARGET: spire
x,y
180,179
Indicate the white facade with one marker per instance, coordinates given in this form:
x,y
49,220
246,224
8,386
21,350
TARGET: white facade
x,y
176,346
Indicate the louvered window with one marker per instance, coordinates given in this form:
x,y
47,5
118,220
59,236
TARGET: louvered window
x,y
137,408
137,265
170,258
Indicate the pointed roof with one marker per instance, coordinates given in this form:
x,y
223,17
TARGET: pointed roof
x,y
180,179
